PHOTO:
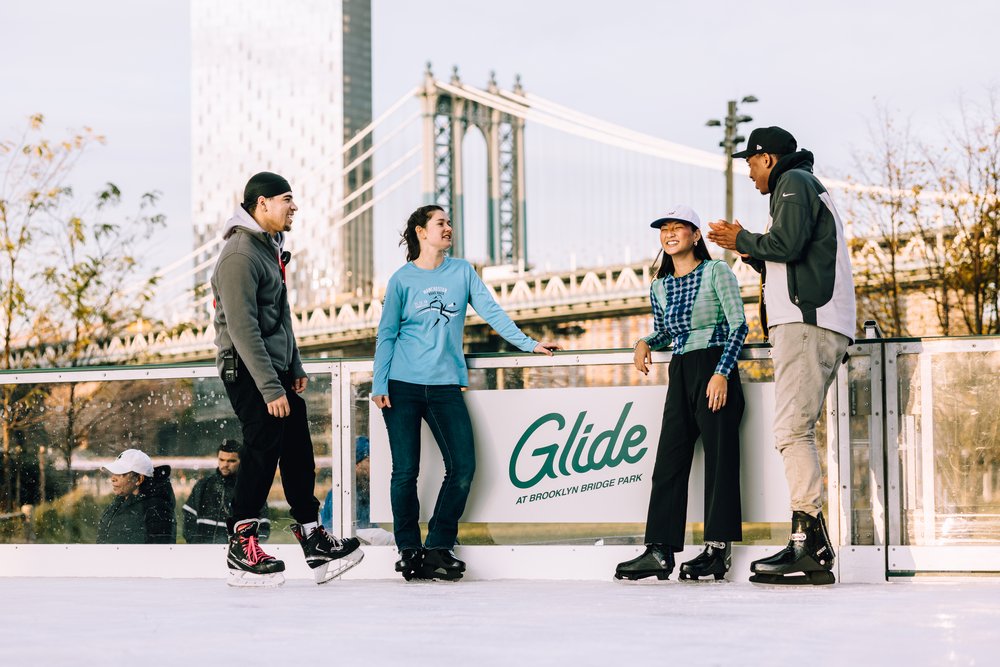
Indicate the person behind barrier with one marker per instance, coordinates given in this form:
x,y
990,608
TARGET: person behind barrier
x,y
142,511
366,531
810,317
262,373
419,374
209,504
696,306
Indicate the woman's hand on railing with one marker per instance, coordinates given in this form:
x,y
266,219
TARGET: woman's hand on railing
x,y
546,348
643,356
381,401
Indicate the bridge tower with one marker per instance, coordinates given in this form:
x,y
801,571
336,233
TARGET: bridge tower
x,y
449,111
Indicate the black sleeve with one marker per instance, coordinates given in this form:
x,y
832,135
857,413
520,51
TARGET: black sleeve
x,y
191,510
792,223
161,525
755,264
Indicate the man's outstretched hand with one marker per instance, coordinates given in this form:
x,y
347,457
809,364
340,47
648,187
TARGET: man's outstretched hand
x,y
723,234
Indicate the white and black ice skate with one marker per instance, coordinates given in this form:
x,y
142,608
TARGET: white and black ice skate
x,y
807,560
328,556
248,564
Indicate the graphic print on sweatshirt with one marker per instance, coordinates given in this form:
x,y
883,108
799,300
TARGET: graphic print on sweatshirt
x,y
434,305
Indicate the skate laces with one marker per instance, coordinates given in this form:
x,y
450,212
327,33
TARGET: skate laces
x,y
253,550
328,539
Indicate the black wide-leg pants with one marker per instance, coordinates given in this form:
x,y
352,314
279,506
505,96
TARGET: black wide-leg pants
x,y
270,442
686,416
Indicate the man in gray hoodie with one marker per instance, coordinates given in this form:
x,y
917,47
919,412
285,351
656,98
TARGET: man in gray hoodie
x,y
259,363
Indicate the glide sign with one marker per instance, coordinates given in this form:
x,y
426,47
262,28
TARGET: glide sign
x,y
561,455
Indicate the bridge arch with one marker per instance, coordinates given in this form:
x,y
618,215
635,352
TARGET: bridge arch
x,y
449,111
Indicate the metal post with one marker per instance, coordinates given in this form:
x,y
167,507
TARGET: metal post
x,y
730,144
730,140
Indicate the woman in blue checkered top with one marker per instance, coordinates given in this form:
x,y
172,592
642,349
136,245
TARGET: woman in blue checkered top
x,y
697,307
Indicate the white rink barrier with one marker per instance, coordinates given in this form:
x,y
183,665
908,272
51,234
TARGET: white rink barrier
x,y
571,440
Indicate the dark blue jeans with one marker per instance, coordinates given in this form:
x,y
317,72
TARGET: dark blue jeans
x,y
443,408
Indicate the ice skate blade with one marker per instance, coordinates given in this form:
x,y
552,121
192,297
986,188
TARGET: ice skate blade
x,y
243,579
818,578
436,574
660,576
711,578
332,569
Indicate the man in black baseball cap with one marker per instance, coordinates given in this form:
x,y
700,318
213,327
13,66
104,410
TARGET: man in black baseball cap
x,y
773,140
807,284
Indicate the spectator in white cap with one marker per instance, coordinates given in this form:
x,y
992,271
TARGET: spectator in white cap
x,y
142,511
698,311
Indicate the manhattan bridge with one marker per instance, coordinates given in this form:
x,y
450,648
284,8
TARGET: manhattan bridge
x,y
583,199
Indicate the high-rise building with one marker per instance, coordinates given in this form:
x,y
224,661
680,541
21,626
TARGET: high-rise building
x,y
282,85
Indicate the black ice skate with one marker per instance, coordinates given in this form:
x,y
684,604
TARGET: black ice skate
x,y
441,564
713,561
808,558
322,549
248,564
409,563
656,561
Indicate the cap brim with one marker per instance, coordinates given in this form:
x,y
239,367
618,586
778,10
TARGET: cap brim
x,y
656,224
120,469
745,153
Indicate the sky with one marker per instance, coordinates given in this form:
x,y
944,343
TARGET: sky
x,y
659,67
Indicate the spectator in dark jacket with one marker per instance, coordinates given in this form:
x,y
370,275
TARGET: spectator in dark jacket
x,y
142,511
208,506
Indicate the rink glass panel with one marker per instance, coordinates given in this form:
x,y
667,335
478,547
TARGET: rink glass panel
x,y
919,450
56,490
864,457
948,443
491,372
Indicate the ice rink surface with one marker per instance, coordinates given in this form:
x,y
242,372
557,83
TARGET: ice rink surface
x,y
193,622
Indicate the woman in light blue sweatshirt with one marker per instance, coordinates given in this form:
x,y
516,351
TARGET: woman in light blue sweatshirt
x,y
419,374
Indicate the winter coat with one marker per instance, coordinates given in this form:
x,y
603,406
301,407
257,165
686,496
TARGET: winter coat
x,y
146,517
804,251
208,507
250,300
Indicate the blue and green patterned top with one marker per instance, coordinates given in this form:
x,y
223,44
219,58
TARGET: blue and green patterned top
x,y
699,310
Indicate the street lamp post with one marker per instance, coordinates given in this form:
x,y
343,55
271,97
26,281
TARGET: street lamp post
x,y
729,143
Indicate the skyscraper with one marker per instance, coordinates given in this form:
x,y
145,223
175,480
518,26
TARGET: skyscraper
x,y
282,85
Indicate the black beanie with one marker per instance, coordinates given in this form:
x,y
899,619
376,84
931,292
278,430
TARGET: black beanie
x,y
265,184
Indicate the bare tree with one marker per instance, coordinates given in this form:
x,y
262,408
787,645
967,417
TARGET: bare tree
x,y
967,170
885,218
83,277
33,185
92,275
929,224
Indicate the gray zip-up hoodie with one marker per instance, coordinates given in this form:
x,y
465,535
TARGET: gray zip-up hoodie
x,y
247,287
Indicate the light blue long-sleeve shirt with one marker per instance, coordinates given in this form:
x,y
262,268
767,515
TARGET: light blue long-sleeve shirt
x,y
419,337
